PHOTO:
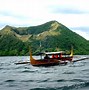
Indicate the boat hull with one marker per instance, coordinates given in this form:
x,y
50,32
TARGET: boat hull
x,y
47,61
45,64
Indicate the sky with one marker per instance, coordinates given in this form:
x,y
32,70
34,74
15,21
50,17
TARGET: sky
x,y
74,14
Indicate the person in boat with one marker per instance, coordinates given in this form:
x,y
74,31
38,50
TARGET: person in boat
x,y
55,56
46,56
60,56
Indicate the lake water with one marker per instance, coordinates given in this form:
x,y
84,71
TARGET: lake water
x,y
73,76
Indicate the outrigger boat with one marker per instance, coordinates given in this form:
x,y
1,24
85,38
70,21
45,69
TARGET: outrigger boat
x,y
51,58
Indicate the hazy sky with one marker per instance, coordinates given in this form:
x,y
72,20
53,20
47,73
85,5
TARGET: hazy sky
x,y
72,13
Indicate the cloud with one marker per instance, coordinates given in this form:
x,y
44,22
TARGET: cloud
x,y
70,6
74,20
86,29
83,31
83,34
68,11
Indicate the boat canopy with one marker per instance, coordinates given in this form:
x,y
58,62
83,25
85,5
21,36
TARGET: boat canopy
x,y
50,53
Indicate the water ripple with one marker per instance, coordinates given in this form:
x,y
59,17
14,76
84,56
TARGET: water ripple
x,y
9,80
42,89
77,80
69,72
61,80
74,87
27,81
85,70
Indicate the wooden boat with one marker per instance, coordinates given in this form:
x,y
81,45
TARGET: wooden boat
x,y
57,58
52,58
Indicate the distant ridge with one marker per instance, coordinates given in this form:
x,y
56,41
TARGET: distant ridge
x,y
52,35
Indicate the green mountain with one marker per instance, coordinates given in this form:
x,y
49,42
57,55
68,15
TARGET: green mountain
x,y
52,36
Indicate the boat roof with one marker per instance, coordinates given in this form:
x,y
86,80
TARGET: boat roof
x,y
50,53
